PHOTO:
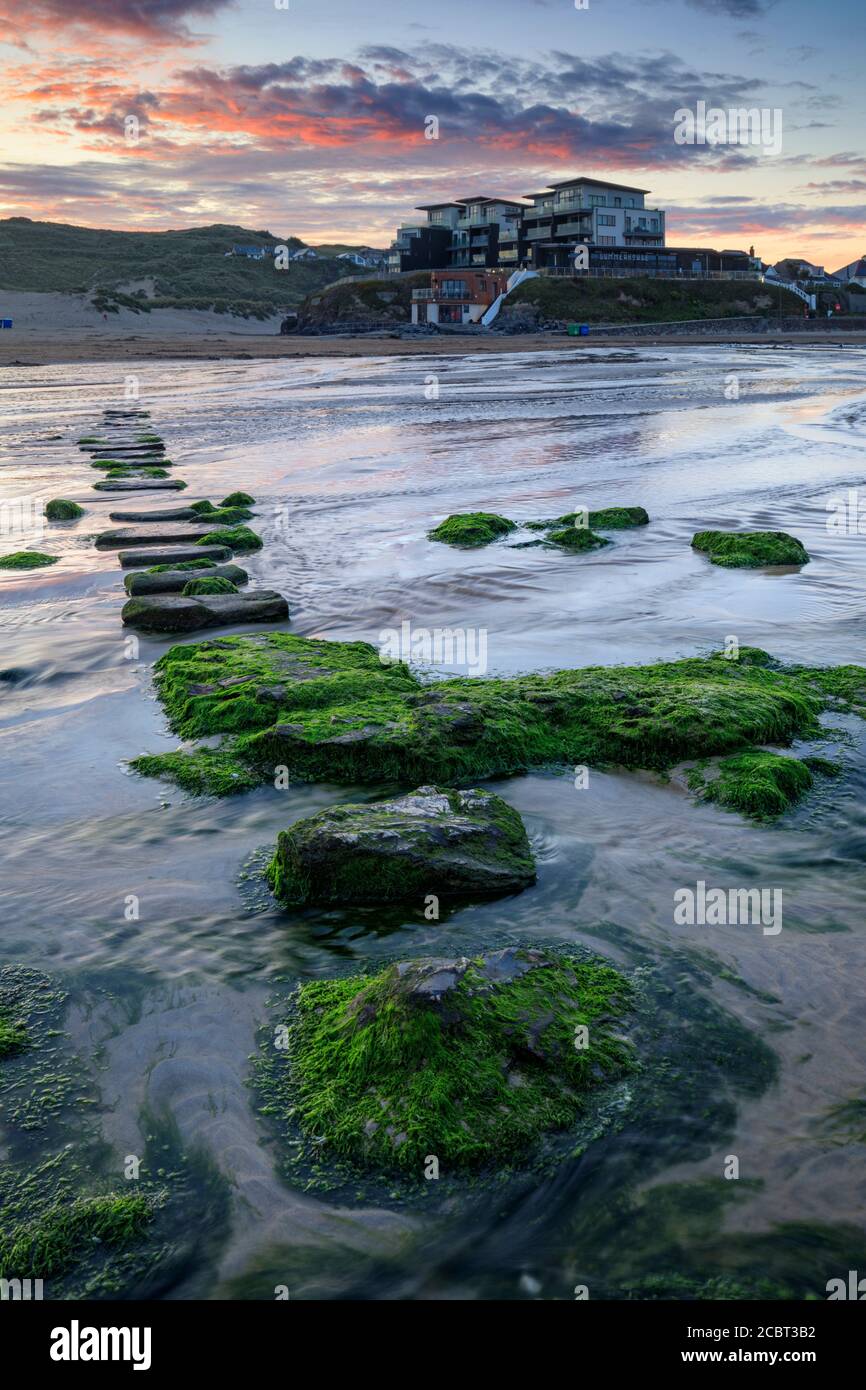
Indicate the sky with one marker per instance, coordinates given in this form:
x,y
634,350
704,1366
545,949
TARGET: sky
x,y
312,118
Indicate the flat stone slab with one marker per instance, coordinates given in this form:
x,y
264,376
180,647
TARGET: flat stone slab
x,y
433,840
174,613
173,514
140,485
151,535
173,581
175,555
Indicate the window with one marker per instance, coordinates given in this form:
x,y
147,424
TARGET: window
x,y
605,219
597,200
617,202
607,241
453,289
630,203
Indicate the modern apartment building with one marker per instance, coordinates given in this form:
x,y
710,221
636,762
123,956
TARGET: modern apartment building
x,y
536,231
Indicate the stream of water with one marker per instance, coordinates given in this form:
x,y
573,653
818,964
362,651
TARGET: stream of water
x,y
351,462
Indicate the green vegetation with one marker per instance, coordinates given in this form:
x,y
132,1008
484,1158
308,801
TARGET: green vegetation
x,y
52,1242
150,270
471,529
467,1061
643,299
222,516
608,519
759,784
332,711
383,303
750,549
208,584
236,538
182,565
59,509
576,538
26,560
238,499
13,1035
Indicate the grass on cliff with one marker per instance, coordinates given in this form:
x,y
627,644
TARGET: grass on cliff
x,y
643,299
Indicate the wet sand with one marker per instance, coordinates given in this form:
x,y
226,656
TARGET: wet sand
x,y
43,349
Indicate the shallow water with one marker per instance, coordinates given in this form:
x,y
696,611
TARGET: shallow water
x,y
352,462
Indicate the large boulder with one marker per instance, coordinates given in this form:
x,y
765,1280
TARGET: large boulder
x,y
433,840
750,549
467,1060
173,555
171,581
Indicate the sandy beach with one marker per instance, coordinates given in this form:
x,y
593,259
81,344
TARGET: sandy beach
x,y
52,329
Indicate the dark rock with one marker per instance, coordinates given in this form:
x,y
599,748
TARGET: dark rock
x,y
176,613
433,840
173,581
150,535
135,559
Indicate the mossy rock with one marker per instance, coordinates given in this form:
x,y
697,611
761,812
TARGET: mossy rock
x,y
239,538
59,509
52,1242
209,584
470,1060
607,519
92,439
576,538
759,784
750,549
13,1035
184,565
26,560
221,516
471,529
238,499
331,711
433,840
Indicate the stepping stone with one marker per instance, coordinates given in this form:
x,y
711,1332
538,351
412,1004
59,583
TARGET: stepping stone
x,y
130,447
151,535
174,514
140,485
173,581
174,613
142,559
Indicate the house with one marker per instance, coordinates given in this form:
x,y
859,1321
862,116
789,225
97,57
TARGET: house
x,y
252,253
458,296
853,274
360,259
306,253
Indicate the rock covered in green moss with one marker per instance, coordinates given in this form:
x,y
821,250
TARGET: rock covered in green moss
x,y
172,555
135,483
607,519
470,1060
26,560
49,1244
472,529
331,711
750,549
759,784
163,579
238,499
576,538
13,1035
239,538
433,840
60,509
178,613
209,584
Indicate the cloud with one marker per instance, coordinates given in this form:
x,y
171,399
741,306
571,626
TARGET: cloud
x,y
156,20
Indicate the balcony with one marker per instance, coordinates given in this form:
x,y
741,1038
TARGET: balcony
x,y
574,228
537,232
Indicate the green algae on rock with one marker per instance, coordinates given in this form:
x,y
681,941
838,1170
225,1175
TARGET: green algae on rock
x,y
576,538
26,560
607,519
208,584
60,509
470,1060
453,843
750,549
52,1242
759,784
331,711
472,529
13,1035
173,612
166,579
238,499
239,538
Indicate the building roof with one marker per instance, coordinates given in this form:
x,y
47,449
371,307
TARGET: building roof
x,y
516,201
431,207
599,183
